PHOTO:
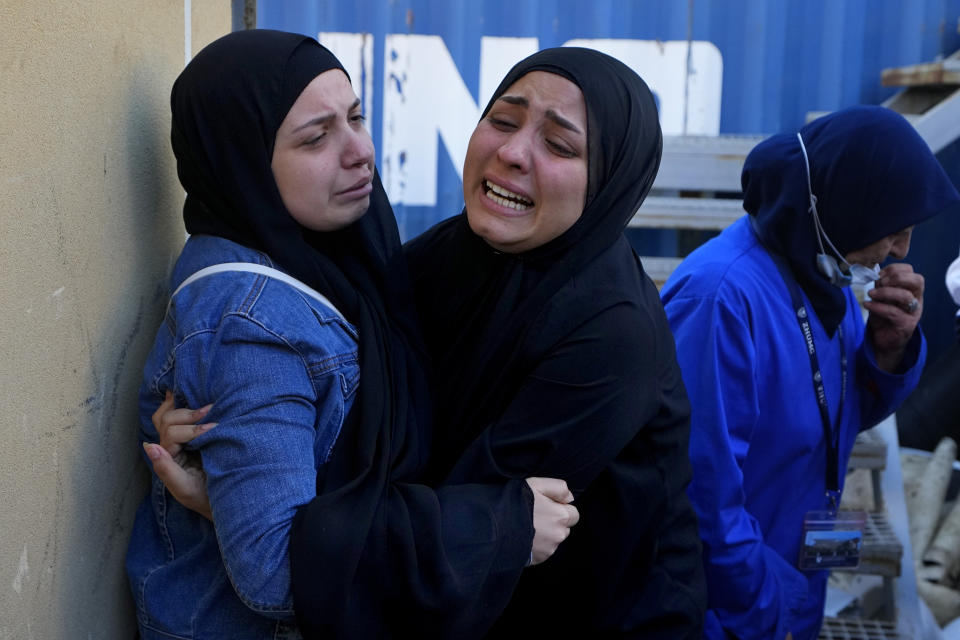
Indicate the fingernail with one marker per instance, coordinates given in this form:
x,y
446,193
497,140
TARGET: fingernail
x,y
151,450
206,408
207,426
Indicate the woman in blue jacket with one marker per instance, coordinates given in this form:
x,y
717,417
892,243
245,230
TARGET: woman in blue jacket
x,y
765,323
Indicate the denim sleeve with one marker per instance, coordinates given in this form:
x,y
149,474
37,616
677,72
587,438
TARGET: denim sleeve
x,y
754,593
259,459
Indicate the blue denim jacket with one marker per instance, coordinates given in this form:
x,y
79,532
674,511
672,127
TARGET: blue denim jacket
x,y
282,372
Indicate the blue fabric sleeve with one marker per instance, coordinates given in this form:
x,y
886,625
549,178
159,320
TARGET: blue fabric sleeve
x,y
259,460
881,392
753,592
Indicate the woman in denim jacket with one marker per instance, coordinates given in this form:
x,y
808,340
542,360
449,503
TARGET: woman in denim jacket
x,y
278,170
553,356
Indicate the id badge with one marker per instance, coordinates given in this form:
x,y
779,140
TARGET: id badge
x,y
832,539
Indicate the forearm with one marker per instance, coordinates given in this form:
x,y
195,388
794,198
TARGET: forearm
x,y
895,360
260,460
253,531
890,360
880,390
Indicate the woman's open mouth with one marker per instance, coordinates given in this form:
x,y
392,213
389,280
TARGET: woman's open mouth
x,y
506,198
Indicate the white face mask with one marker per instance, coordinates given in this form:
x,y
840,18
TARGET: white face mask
x,y
860,274
830,266
839,276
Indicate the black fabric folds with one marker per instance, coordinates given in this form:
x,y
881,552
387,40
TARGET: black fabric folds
x,y
873,176
559,362
370,553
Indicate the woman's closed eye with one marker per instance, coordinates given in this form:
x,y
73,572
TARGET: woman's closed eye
x,y
561,149
315,140
313,136
501,123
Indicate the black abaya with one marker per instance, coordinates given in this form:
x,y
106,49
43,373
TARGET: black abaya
x,y
559,362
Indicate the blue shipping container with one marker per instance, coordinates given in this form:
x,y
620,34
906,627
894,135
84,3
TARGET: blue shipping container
x,y
425,68
758,66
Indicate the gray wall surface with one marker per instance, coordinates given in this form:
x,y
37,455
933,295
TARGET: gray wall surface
x,y
89,226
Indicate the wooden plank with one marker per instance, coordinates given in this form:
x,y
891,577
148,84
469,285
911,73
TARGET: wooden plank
x,y
930,73
703,163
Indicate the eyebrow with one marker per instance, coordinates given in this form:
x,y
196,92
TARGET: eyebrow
x,y
319,120
520,101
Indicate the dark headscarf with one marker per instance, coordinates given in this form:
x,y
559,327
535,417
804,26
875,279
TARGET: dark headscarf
x,y
478,306
347,556
223,136
873,176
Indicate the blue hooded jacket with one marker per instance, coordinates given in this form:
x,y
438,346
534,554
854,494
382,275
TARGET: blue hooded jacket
x,y
757,443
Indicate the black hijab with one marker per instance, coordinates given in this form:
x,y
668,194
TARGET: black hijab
x,y
479,307
227,106
348,557
873,176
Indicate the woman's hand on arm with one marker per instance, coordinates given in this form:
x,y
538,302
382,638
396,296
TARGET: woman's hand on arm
x,y
177,427
553,516
187,483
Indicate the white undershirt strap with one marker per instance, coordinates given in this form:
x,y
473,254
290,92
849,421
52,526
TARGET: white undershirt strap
x,y
270,272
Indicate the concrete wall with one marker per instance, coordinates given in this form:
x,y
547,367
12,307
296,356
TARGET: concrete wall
x,y
89,225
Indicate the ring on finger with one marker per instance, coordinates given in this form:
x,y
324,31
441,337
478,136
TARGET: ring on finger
x,y
913,305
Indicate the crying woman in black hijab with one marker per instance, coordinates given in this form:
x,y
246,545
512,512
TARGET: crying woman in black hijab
x,y
552,353
292,316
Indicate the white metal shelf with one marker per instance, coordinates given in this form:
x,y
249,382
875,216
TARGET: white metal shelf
x,y
857,629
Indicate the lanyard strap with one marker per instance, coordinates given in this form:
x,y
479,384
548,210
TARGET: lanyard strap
x,y
831,436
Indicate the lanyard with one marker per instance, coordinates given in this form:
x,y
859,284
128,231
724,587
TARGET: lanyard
x,y
831,436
